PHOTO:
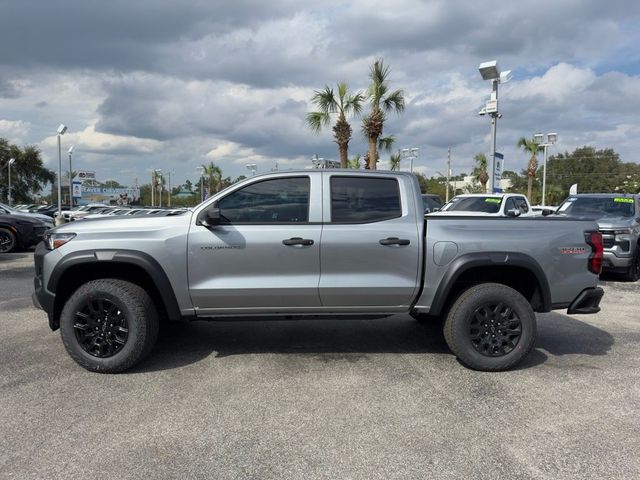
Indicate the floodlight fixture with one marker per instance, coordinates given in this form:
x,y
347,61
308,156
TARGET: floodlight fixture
x,y
70,149
12,161
489,70
62,129
538,138
552,137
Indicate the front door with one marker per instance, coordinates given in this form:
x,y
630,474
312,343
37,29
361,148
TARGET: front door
x,y
265,255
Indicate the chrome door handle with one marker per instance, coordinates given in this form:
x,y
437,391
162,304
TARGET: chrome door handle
x,y
297,241
395,241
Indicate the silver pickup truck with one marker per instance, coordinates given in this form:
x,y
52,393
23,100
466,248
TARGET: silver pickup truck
x,y
334,243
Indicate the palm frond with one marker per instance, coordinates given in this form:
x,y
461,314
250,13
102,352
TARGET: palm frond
x,y
325,100
317,120
354,103
394,102
386,143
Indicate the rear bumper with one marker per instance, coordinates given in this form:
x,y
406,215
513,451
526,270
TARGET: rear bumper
x,y
588,301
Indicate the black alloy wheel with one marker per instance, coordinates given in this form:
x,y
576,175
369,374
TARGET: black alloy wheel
x,y
7,241
495,329
101,327
633,274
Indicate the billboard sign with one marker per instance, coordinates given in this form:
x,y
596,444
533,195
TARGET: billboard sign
x,y
77,189
86,175
110,196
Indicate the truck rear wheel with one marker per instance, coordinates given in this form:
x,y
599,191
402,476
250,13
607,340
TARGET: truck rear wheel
x,y
490,327
109,325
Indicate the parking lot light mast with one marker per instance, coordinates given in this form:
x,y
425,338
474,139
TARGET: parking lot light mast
x,y
491,71
11,162
70,178
253,167
62,128
201,171
411,154
540,140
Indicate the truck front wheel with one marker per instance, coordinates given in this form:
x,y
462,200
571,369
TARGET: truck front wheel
x,y
109,325
490,327
633,272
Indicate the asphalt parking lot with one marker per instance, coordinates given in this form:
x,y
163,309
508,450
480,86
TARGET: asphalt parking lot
x,y
321,399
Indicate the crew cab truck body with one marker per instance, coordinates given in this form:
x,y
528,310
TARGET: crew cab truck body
x,y
332,243
618,219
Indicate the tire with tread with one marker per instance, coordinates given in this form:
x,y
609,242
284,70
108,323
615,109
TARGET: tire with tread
x,y
633,272
8,240
457,326
142,322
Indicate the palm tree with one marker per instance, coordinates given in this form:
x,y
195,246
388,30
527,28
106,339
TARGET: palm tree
x,y
381,101
394,161
480,170
354,162
530,147
213,174
343,105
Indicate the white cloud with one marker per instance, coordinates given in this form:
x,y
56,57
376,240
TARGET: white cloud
x,y
14,130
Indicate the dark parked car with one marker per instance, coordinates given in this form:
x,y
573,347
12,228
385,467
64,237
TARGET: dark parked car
x,y
431,202
18,231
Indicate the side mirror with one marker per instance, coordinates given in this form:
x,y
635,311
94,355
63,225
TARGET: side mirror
x,y
513,212
427,210
209,217
546,213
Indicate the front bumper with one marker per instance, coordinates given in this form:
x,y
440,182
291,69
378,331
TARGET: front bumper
x,y
41,297
611,261
588,301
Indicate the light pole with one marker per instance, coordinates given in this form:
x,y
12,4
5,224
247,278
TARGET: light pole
x,y
491,71
201,170
538,138
11,162
253,167
409,153
62,128
159,180
70,178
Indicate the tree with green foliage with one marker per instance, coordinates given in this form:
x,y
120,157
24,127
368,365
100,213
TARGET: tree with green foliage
x,y
530,148
381,102
354,162
394,161
341,105
593,170
28,174
480,170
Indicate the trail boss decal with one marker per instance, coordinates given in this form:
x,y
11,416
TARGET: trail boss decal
x,y
572,250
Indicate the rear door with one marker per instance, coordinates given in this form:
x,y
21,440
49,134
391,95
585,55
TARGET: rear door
x,y
370,247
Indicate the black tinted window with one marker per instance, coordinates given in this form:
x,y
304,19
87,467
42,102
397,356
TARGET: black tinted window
x,y
281,200
475,204
361,200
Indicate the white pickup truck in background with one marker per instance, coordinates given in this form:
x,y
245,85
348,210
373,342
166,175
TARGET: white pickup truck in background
x,y
490,204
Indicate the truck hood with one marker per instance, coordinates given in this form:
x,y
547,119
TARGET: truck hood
x,y
127,224
612,223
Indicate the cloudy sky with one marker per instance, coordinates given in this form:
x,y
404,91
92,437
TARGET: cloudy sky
x,y
153,84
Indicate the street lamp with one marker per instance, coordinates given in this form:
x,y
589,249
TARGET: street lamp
x,y
62,128
491,71
538,138
411,154
11,162
70,178
253,167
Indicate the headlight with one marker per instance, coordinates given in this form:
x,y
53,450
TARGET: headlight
x,y
622,231
55,240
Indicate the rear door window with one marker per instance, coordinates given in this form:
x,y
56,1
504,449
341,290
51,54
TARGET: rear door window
x,y
364,200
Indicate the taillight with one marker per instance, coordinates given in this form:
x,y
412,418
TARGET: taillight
x,y
594,239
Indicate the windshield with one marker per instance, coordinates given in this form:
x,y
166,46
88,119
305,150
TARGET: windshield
x,y
8,208
598,206
474,204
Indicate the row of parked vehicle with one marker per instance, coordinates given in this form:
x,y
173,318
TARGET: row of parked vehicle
x,y
23,226
617,215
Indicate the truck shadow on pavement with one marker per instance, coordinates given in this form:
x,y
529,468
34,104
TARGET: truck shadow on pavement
x,y
182,344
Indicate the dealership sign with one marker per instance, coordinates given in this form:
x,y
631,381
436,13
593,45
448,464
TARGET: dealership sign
x,y
86,175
